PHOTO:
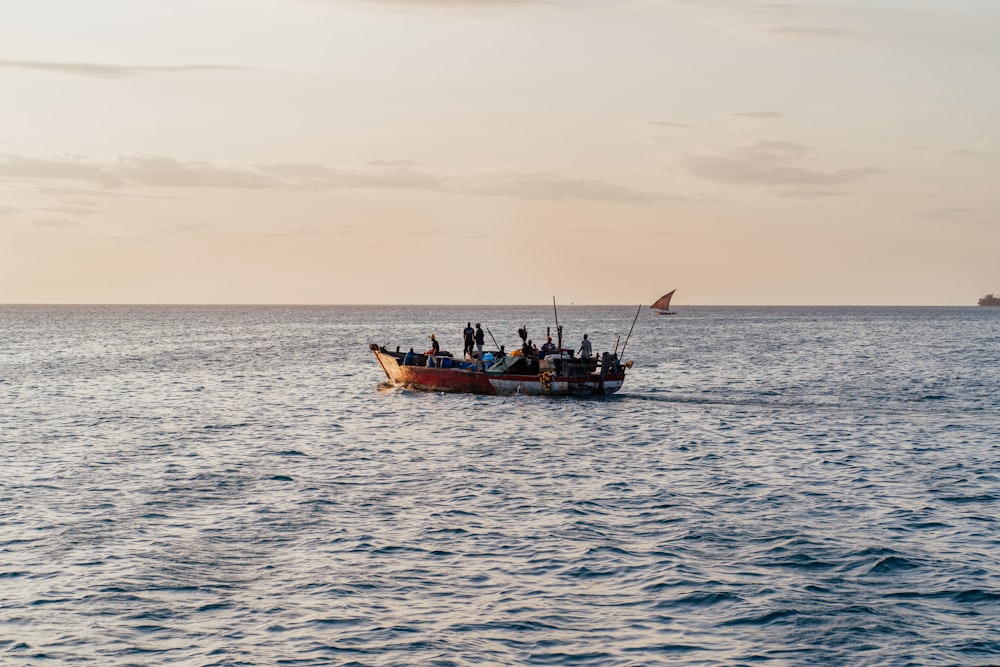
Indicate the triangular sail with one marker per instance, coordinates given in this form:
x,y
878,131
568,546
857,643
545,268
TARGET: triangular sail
x,y
663,303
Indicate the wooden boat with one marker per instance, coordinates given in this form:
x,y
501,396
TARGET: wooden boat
x,y
560,374
662,305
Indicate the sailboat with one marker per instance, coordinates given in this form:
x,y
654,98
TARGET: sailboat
x,y
662,305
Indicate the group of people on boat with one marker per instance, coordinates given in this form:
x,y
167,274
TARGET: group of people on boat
x,y
528,348
473,340
472,337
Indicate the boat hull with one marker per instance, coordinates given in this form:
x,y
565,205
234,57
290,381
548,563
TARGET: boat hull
x,y
468,381
990,300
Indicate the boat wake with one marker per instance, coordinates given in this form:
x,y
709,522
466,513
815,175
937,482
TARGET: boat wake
x,y
770,401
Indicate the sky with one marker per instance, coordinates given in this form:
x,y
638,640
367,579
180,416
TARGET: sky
x,y
799,152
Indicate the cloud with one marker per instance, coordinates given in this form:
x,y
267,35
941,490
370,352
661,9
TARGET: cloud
x,y
768,163
76,210
7,211
435,231
106,71
133,169
788,19
188,227
55,222
735,171
550,186
811,193
288,233
394,163
409,175
807,31
167,172
590,230
453,4
667,123
946,213
400,175
389,175
758,114
69,168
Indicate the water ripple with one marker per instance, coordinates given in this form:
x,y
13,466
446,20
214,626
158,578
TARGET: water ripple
x,y
230,486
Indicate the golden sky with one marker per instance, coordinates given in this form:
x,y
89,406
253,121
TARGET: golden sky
x,y
499,151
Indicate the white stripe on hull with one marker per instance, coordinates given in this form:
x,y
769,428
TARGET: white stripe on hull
x,y
502,386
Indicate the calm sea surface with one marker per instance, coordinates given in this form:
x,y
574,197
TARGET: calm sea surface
x,y
232,486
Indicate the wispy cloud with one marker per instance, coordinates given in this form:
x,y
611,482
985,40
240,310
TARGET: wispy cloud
x,y
666,124
811,193
455,4
768,163
433,231
946,213
765,115
72,209
69,168
390,175
809,31
164,172
188,228
108,71
158,171
590,230
789,19
133,169
546,185
289,233
55,222
75,210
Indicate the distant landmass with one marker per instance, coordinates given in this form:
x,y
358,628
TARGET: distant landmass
x,y
990,300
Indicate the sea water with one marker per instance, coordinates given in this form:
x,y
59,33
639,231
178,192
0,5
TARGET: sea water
x,y
236,486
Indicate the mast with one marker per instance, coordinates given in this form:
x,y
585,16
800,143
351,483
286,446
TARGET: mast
x,y
558,328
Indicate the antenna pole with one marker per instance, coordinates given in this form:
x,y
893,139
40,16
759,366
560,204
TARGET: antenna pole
x,y
558,328
494,339
630,330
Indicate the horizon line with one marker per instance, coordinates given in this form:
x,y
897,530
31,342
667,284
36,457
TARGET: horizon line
x,y
471,305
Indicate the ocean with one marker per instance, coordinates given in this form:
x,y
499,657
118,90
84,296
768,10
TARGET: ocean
x,y
237,486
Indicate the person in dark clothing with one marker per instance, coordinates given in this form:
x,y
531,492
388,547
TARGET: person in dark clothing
x,y
408,359
435,347
469,334
530,355
523,333
548,348
480,339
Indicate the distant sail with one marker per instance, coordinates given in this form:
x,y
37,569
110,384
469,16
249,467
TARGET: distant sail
x,y
663,303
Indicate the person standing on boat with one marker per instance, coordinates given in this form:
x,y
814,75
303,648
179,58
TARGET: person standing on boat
x,y
480,339
586,351
548,347
468,334
435,347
